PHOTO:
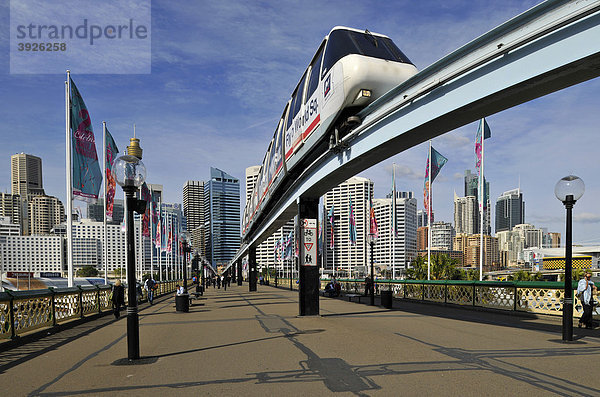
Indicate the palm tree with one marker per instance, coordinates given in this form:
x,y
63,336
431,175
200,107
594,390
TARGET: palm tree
x,y
418,271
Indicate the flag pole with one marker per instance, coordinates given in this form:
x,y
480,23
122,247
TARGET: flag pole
x,y
152,245
482,197
69,180
429,213
394,221
105,202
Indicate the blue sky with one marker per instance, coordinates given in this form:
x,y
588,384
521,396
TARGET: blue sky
x,y
221,72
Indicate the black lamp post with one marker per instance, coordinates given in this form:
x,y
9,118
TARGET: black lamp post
x,y
130,173
185,248
372,239
568,190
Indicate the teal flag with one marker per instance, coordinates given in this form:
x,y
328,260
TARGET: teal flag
x,y
111,154
87,177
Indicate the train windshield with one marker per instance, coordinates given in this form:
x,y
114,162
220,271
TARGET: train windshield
x,y
346,42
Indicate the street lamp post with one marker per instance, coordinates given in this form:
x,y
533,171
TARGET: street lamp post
x,y
372,239
568,190
130,173
185,248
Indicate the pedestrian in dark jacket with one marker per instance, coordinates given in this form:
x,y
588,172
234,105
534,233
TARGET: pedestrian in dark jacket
x,y
118,298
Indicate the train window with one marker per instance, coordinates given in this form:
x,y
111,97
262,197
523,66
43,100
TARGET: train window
x,y
345,42
313,81
298,97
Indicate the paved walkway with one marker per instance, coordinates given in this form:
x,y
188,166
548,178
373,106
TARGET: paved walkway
x,y
236,343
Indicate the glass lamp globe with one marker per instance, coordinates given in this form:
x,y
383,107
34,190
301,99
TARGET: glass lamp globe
x,y
129,171
569,185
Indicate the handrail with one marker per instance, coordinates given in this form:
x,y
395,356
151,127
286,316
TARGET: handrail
x,y
24,311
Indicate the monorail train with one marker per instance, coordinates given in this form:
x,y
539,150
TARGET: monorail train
x,y
350,69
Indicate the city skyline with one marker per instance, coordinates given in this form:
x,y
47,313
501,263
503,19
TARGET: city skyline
x,y
199,99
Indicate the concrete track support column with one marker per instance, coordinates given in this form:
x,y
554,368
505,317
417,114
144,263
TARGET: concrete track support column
x,y
252,269
308,291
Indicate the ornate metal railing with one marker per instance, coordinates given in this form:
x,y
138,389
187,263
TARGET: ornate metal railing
x,y
535,297
25,311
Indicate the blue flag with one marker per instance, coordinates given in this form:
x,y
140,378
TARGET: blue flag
x,y
87,177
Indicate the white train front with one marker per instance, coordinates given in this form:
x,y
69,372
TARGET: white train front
x,y
350,69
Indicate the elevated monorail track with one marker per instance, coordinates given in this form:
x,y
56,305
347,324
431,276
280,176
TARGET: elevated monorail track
x,y
545,49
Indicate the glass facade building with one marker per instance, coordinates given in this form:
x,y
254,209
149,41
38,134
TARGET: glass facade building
x,y
222,217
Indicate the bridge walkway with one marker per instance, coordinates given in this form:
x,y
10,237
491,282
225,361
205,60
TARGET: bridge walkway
x,y
239,343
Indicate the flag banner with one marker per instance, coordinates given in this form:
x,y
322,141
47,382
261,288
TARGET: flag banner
x,y
434,166
87,177
154,217
487,133
289,246
170,241
373,229
163,237
483,129
394,219
158,238
331,222
352,223
145,193
111,154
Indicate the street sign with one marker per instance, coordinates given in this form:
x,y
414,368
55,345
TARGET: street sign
x,y
308,250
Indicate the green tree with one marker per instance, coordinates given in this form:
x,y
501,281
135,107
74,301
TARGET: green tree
x,y
444,268
521,275
472,275
87,271
418,269
118,272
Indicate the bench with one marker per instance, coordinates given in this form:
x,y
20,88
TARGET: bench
x,y
350,296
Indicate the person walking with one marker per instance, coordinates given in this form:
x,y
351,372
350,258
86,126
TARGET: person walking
x,y
149,286
118,298
585,289
367,286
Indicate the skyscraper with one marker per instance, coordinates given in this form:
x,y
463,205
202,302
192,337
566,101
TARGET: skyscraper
x,y
344,258
395,252
422,218
222,217
95,211
45,212
251,177
466,215
472,189
510,210
193,210
26,175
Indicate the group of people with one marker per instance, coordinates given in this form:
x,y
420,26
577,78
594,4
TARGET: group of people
x,y
218,281
117,295
586,291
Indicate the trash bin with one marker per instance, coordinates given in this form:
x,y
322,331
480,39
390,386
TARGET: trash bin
x,y
386,299
182,303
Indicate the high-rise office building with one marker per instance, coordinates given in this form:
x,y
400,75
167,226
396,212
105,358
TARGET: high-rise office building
x,y
422,218
95,211
466,215
345,258
193,210
442,234
469,245
510,210
45,212
251,178
472,189
222,217
12,206
395,252
26,175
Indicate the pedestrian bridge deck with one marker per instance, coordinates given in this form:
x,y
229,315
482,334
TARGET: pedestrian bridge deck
x,y
239,343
